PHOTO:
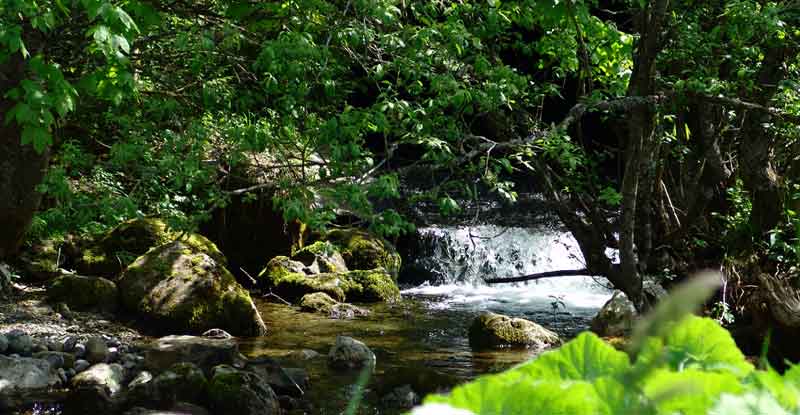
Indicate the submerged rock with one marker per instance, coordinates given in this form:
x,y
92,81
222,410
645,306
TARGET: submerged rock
x,y
363,251
182,288
233,391
84,293
493,330
25,380
324,304
616,318
284,381
349,353
203,351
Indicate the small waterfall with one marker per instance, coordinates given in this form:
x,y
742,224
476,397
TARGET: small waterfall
x,y
456,260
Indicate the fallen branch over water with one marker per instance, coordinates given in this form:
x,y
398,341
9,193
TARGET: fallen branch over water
x,y
540,275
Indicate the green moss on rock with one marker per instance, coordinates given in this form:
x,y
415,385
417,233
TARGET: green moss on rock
x,y
496,330
370,286
363,251
84,293
290,280
322,256
119,247
182,288
317,303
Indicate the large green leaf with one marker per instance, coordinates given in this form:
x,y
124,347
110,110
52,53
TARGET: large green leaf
x,y
754,403
690,392
586,357
492,395
695,342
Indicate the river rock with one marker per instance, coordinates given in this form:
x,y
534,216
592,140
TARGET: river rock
x,y
349,353
217,334
616,318
364,251
81,365
364,285
303,354
322,303
3,343
57,359
182,382
284,381
402,397
180,287
25,380
96,350
84,293
233,391
19,342
96,390
202,351
321,256
494,330
114,251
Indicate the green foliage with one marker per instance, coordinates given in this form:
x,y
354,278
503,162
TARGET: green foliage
x,y
694,368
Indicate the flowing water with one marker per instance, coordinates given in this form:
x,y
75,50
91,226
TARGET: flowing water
x,y
421,341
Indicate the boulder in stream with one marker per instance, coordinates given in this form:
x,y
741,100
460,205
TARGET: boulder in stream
x,y
496,330
324,304
616,318
233,391
180,287
203,351
364,251
349,353
291,280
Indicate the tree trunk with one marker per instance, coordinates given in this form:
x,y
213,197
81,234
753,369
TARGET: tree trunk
x,y
757,144
638,150
21,168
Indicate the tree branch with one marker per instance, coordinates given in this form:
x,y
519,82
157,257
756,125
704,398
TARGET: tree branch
x,y
540,275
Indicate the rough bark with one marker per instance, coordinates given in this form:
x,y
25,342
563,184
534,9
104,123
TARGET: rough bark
x,y
757,144
21,168
638,149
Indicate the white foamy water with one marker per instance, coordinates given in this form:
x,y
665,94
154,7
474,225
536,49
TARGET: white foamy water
x,y
460,258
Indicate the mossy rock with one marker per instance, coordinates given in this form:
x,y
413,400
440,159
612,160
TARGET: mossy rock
x,y
317,303
41,261
363,251
290,280
119,247
182,288
321,256
322,303
232,391
84,293
370,286
496,330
